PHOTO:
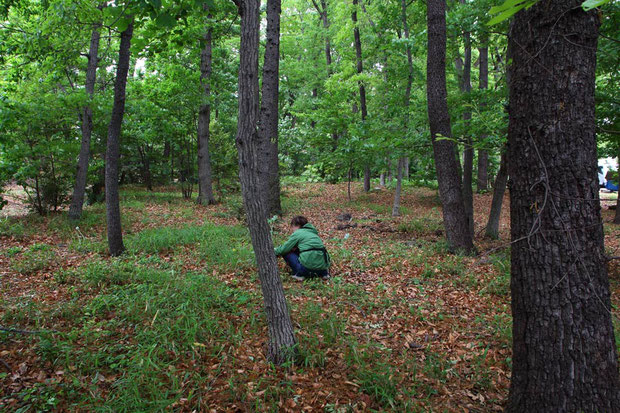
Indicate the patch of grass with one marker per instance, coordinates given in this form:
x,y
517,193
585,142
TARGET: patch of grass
x,y
500,285
218,245
10,227
234,206
36,258
502,327
141,325
388,385
421,226
11,252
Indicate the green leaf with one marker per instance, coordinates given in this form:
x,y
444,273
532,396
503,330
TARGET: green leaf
x,y
592,4
111,14
137,44
165,20
122,24
507,9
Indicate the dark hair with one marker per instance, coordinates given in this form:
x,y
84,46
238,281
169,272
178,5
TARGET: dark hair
x,y
299,221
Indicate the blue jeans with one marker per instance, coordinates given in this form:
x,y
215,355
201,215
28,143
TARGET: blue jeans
x,y
292,259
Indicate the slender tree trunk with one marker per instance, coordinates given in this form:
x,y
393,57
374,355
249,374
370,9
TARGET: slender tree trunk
x,y
564,353
492,229
362,89
468,150
483,156
403,163
113,210
205,179
268,116
397,192
382,179
446,162
322,10
349,183
146,167
77,199
617,215
281,336
406,171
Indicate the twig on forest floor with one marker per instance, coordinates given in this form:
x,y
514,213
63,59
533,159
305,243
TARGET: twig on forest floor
x,y
5,364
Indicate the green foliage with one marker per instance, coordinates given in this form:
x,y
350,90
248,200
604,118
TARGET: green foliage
x,y
509,8
37,257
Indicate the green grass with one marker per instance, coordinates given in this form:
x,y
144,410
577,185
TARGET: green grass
x,y
500,285
36,258
142,323
421,226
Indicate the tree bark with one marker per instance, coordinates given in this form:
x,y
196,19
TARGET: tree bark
x,y
617,214
322,10
77,199
483,155
397,192
468,150
113,210
406,171
492,229
403,162
205,178
564,354
268,116
146,167
281,336
362,88
446,162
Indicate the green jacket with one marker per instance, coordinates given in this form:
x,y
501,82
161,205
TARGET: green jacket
x,y
304,239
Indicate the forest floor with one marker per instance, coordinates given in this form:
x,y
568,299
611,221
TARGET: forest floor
x,y
177,322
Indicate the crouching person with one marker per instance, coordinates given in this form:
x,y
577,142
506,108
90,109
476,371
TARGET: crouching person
x,y
304,251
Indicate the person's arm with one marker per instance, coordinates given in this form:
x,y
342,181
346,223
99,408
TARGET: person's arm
x,y
291,243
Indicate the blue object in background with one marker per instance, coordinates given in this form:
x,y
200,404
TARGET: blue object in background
x,y
611,186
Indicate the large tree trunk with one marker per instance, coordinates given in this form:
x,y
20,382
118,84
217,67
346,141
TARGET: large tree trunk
x,y
205,179
281,336
77,200
268,117
113,210
360,69
446,160
492,229
564,354
483,155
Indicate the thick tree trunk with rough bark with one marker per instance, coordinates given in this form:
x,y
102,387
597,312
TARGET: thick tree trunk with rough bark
x,y
205,178
446,161
483,155
77,200
492,229
268,116
564,353
362,88
113,210
281,335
